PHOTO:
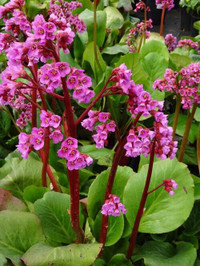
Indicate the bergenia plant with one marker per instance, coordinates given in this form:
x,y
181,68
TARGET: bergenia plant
x,y
53,102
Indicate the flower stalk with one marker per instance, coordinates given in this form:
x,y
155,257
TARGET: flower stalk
x,y
186,132
142,204
176,115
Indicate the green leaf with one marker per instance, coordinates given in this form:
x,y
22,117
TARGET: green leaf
x,y
18,232
126,4
88,17
155,47
119,260
35,7
33,193
89,57
159,204
116,49
71,255
104,156
179,61
3,260
69,59
97,189
196,187
115,19
192,225
197,115
24,173
5,124
154,65
132,61
9,202
52,210
181,127
115,229
159,253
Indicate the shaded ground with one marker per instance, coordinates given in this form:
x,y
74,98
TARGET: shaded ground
x,y
172,24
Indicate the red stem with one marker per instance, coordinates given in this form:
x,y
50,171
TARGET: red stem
x,y
34,104
151,191
120,152
46,157
72,175
74,212
162,20
50,174
142,204
54,104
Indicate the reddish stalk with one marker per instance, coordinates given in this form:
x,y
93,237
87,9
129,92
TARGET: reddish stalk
x,y
74,212
176,115
50,174
162,20
151,191
186,132
72,175
46,157
35,105
120,152
142,204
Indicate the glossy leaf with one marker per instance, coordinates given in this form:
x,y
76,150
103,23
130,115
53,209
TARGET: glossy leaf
x,y
24,173
115,229
18,232
115,19
164,254
154,47
33,193
181,127
116,49
119,260
72,255
97,189
53,211
88,17
159,204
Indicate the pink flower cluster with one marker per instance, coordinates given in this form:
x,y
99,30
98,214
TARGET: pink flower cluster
x,y
140,6
140,29
105,125
75,159
10,7
50,127
139,140
50,75
61,15
188,43
170,184
185,82
170,42
113,206
169,4
139,100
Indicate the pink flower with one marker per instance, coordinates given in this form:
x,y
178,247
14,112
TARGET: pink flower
x,y
112,206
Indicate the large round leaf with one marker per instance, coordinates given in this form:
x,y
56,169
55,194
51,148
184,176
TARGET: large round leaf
x,y
18,232
160,253
162,212
52,210
71,255
115,19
